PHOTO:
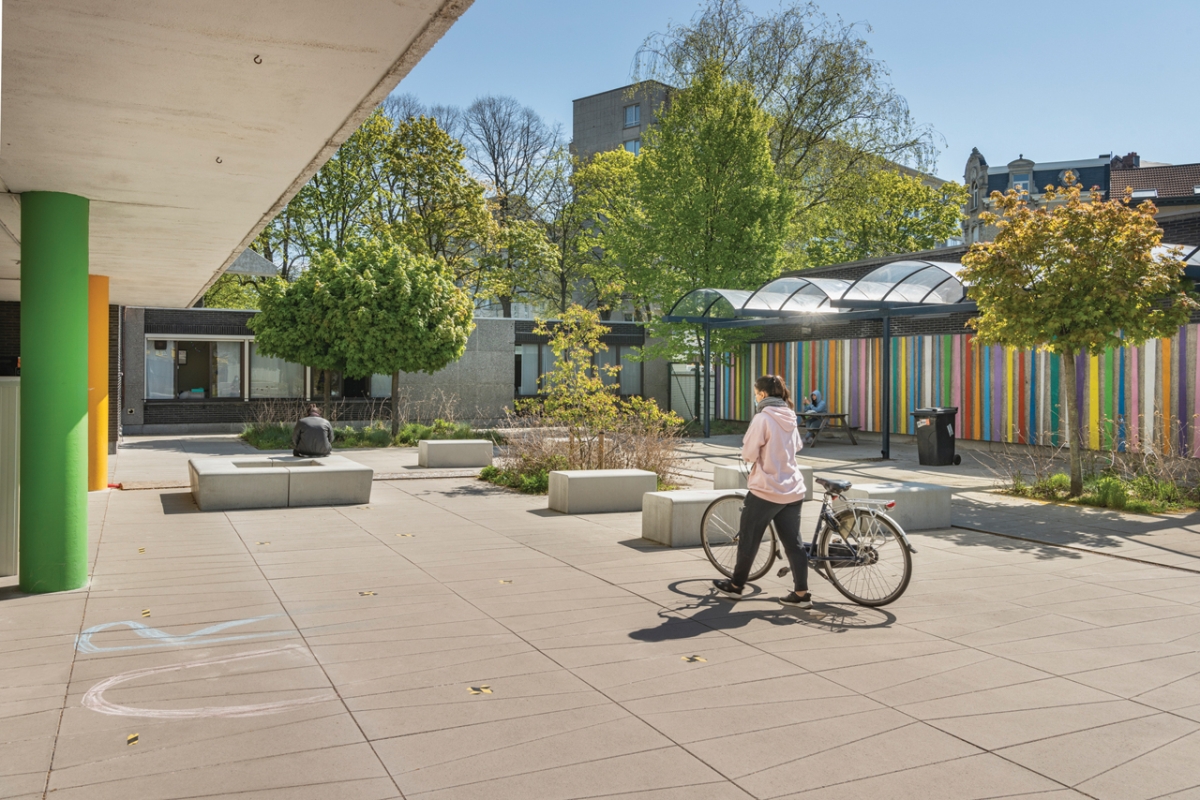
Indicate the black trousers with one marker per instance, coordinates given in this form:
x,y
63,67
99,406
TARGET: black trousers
x,y
756,515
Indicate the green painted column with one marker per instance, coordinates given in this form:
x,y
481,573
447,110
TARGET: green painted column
x,y
54,403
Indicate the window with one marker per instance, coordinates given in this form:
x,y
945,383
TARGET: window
x,y
160,369
526,370
1144,194
195,370
1020,181
633,115
631,371
634,146
608,358
274,377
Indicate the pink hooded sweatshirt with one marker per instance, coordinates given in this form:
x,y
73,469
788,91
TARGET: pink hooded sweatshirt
x,y
770,445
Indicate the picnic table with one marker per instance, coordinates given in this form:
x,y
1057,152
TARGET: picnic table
x,y
827,422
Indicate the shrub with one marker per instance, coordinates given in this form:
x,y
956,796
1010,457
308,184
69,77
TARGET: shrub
x,y
1109,492
536,481
1059,482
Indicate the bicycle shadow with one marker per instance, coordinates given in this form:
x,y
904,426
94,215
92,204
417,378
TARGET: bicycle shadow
x,y
717,612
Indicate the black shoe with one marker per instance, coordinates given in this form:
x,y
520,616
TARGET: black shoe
x,y
796,601
727,588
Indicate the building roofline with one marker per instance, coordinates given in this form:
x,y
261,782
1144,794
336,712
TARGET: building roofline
x,y
1039,166
622,88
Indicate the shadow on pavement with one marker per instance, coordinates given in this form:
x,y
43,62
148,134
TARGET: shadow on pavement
x,y
178,503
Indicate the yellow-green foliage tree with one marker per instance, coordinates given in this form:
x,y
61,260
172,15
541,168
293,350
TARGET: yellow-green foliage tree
x,y
1072,276
882,212
238,291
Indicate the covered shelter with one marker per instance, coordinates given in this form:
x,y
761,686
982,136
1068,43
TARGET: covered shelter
x,y
897,289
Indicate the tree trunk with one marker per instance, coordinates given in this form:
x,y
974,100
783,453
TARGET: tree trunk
x,y
395,403
1073,427
506,306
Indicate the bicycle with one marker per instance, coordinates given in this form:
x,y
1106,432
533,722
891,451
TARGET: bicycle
x,y
856,546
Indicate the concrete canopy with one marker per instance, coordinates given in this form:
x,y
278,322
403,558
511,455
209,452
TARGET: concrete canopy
x,y
188,125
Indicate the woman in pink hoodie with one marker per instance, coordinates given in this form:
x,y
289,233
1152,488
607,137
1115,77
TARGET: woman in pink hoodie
x,y
776,490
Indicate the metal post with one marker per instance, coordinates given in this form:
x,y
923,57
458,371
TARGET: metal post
x,y
886,426
707,383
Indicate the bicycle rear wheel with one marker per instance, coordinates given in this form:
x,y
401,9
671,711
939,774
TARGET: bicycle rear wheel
x,y
719,534
874,567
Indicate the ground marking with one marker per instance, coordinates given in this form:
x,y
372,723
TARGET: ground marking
x,y
131,739
694,659
83,642
484,689
94,699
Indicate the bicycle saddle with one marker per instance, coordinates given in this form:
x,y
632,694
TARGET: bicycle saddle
x,y
835,487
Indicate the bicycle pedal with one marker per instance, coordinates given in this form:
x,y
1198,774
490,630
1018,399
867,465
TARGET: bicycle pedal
x,y
783,571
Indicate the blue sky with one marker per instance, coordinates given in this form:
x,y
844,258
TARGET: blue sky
x,y
1053,80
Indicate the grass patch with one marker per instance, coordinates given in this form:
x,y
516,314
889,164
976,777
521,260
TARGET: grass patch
x,y
534,482
1142,495
278,435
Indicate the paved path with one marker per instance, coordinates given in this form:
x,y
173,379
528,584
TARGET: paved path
x,y
454,640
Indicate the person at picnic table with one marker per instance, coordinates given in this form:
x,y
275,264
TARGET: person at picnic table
x,y
776,490
816,405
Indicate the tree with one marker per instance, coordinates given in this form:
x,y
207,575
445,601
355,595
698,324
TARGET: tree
x,y
887,212
402,312
428,202
1074,276
713,211
237,291
510,148
605,190
300,321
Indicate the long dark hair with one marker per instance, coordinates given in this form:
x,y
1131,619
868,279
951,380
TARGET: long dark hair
x,y
774,386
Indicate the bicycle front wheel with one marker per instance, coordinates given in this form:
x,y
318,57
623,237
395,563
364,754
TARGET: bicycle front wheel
x,y
719,534
869,562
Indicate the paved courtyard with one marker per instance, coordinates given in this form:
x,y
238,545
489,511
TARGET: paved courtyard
x,y
453,640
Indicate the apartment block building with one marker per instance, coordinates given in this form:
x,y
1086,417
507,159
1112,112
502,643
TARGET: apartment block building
x,y
616,118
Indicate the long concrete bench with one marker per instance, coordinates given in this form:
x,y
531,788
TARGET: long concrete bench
x,y
221,484
454,453
734,476
673,518
919,506
594,491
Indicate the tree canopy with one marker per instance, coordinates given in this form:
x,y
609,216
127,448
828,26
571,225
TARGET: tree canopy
x,y
1074,276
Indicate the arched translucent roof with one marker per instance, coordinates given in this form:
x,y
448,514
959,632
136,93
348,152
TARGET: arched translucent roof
x,y
899,283
712,303
910,282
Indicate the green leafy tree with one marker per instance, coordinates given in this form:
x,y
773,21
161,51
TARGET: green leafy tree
x,y
576,394
1074,276
237,291
713,212
301,321
605,190
427,200
401,312
887,212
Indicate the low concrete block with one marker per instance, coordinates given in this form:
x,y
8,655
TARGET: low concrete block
x,y
919,506
226,484
454,453
337,481
673,518
594,491
733,476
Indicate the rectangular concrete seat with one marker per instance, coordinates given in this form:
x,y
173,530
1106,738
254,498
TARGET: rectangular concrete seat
x,y
919,506
224,484
673,518
733,476
594,491
454,453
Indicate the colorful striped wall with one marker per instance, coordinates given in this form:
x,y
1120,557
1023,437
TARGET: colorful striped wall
x,y
1129,396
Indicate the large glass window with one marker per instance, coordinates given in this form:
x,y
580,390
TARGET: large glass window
x,y
226,369
631,371
274,377
526,369
160,369
547,366
604,359
633,115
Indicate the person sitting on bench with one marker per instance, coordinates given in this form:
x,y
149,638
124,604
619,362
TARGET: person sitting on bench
x,y
312,435
816,405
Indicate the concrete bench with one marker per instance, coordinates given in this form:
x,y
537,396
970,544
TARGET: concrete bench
x,y
919,506
222,484
454,453
673,518
593,491
733,476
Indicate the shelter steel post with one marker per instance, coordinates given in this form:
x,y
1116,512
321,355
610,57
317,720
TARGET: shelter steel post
x,y
54,392
886,425
707,380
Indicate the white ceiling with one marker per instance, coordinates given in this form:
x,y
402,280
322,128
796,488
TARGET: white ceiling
x,y
131,103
